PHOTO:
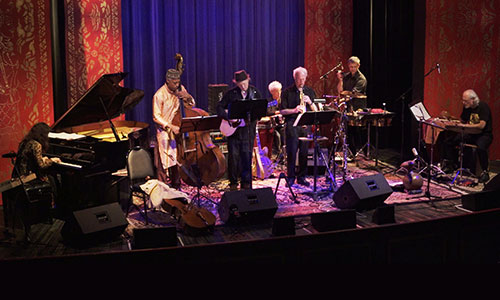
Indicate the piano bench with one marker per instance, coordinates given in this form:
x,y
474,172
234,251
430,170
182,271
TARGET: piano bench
x,y
20,210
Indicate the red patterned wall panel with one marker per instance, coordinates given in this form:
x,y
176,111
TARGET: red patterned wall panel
x,y
93,43
25,72
328,40
463,36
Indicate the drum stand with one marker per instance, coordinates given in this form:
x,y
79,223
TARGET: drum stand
x,y
341,134
367,144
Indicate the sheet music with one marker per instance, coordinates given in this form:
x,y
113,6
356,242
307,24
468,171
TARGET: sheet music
x,y
420,112
65,136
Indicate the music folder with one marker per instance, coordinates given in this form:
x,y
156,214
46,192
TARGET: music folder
x,y
240,109
315,117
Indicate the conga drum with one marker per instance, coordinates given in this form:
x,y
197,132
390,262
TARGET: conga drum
x,y
266,131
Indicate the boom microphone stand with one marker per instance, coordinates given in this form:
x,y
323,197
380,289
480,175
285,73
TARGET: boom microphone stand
x,y
402,97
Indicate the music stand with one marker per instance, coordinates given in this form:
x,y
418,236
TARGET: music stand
x,y
200,123
250,110
317,118
421,114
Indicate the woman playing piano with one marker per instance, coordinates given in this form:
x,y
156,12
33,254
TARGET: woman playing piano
x,y
29,154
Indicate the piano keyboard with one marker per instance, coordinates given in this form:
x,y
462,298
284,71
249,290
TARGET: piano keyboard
x,y
69,165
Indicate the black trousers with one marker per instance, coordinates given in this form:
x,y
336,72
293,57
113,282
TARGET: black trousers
x,y
292,145
452,140
240,146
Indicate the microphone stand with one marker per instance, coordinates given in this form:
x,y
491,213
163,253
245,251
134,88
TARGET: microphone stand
x,y
402,98
429,167
325,76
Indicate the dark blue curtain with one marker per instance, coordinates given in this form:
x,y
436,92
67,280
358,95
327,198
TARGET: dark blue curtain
x,y
216,38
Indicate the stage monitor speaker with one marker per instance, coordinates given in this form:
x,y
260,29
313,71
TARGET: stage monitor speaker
x,y
215,93
283,226
334,220
248,206
95,224
363,193
384,215
493,184
481,200
155,237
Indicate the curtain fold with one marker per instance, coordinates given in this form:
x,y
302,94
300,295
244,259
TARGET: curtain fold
x,y
216,38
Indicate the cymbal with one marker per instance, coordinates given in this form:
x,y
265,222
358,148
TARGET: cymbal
x,y
353,94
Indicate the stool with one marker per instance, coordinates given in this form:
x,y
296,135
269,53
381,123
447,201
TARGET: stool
x,y
474,166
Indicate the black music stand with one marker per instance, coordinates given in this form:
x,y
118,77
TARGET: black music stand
x,y
249,110
200,123
430,166
317,118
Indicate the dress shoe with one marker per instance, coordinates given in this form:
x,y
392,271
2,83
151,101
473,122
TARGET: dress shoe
x,y
485,176
302,181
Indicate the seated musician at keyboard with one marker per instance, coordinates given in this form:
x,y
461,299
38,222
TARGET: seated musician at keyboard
x,y
475,114
29,156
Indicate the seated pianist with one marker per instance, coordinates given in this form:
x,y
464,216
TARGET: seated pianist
x,y
30,160
476,116
29,155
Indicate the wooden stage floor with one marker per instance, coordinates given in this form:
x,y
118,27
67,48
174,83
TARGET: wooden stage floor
x,y
408,208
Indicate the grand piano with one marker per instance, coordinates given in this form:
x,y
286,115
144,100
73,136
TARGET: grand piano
x,y
92,145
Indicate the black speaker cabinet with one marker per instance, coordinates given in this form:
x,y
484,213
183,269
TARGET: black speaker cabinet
x,y
94,224
283,226
363,193
248,206
481,200
155,237
493,184
384,215
334,220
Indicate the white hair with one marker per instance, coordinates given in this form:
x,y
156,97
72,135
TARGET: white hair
x,y
473,96
275,85
298,70
354,59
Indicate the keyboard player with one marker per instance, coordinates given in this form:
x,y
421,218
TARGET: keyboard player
x,y
30,159
475,116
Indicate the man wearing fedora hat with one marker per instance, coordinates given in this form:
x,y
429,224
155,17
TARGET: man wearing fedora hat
x,y
240,143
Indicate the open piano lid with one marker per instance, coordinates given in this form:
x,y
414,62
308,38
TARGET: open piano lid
x,y
88,109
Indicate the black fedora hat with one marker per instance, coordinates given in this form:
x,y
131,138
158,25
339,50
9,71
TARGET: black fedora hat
x,y
241,75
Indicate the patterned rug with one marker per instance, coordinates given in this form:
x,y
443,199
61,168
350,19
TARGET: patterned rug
x,y
305,203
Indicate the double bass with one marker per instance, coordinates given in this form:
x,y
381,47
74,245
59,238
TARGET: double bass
x,y
201,161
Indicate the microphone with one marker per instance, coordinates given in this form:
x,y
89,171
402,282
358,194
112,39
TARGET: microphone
x,y
11,154
417,156
339,65
439,68
414,152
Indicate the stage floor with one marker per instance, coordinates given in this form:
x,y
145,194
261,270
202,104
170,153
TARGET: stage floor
x,y
445,202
